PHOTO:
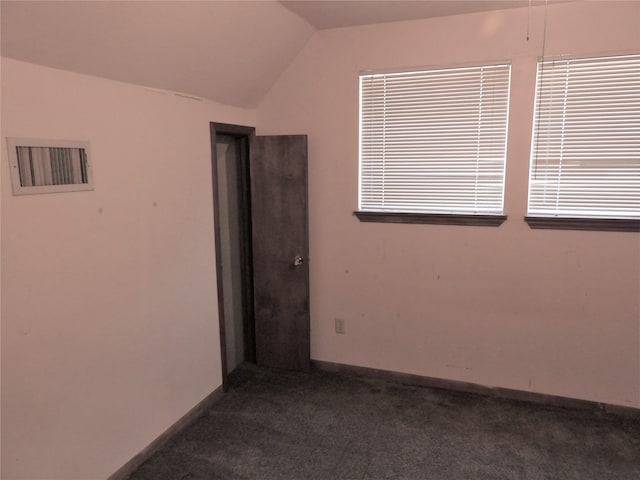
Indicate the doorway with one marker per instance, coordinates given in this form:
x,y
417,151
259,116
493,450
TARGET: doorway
x,y
261,234
232,205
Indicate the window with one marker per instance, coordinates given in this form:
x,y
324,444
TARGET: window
x,y
49,166
433,145
585,154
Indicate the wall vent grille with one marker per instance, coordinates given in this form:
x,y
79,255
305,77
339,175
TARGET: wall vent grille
x,y
49,166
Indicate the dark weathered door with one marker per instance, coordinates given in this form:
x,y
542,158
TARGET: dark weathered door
x,y
278,166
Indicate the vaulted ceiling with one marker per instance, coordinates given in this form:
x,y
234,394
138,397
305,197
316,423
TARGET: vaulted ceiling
x,y
227,51
230,52
324,14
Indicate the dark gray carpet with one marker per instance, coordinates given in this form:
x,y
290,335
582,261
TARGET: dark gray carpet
x,y
284,425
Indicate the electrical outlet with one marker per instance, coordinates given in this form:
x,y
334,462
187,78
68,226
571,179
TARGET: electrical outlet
x,y
340,326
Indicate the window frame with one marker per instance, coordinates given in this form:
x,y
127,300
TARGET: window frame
x,y
568,221
465,217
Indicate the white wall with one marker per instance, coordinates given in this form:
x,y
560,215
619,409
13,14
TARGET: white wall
x,y
109,309
547,311
101,354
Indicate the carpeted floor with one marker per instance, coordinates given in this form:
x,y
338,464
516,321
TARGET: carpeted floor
x,y
285,425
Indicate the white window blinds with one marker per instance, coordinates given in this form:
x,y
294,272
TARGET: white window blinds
x,y
585,155
434,141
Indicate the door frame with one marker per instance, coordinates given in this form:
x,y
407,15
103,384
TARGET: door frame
x,y
242,134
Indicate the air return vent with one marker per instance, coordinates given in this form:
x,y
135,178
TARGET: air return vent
x,y
49,166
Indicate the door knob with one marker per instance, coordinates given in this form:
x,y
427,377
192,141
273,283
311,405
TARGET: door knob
x,y
298,260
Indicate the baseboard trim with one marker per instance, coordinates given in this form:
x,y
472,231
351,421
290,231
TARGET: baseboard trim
x,y
187,419
498,392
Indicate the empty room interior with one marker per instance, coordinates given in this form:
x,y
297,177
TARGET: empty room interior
x,y
118,303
